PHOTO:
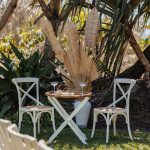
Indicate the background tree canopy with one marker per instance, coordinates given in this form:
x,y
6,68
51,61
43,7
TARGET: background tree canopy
x,y
118,20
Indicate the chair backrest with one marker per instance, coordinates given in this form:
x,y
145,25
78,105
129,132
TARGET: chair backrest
x,y
125,86
21,141
31,83
42,145
4,138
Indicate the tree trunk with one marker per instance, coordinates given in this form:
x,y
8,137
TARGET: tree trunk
x,y
52,13
138,51
7,13
137,69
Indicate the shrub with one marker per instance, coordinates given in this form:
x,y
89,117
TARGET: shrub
x,y
33,66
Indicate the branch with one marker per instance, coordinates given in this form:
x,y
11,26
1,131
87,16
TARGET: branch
x,y
138,51
46,10
7,13
54,7
38,18
65,13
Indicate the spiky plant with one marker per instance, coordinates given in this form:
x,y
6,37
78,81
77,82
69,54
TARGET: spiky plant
x,y
32,66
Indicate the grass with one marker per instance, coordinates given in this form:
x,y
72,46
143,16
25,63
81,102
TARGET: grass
x,y
67,140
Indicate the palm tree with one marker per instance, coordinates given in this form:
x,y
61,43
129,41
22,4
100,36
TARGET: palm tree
x,y
123,15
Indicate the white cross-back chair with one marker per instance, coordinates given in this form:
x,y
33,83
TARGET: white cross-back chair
x,y
4,138
24,142
34,111
111,112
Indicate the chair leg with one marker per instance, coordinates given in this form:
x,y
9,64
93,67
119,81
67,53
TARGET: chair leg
x,y
107,130
38,121
20,120
94,124
53,119
129,129
34,124
114,124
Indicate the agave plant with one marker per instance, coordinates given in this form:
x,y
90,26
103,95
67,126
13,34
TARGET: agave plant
x,y
77,56
33,66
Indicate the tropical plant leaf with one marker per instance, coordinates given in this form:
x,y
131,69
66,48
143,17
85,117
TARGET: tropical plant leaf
x,y
42,58
6,85
5,59
6,106
46,70
17,52
32,59
3,71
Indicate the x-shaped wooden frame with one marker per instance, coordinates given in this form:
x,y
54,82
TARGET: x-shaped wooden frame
x,y
68,119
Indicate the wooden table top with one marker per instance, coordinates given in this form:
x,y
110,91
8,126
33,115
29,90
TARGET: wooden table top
x,y
68,95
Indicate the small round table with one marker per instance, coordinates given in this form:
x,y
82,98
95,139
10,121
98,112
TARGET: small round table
x,y
54,99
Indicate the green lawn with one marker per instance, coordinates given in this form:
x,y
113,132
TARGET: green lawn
x,y
67,140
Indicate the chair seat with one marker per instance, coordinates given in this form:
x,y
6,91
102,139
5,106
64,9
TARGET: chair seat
x,y
37,108
28,88
110,110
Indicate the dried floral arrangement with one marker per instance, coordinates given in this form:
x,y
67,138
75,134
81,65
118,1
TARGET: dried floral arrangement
x,y
79,65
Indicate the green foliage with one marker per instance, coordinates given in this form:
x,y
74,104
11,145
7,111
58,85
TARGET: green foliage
x,y
145,40
80,18
120,15
26,39
33,66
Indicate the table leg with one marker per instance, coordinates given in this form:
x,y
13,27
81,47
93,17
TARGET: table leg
x,y
68,119
60,129
66,114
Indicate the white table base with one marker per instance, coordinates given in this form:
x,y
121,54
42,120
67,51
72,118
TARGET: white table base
x,y
68,119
